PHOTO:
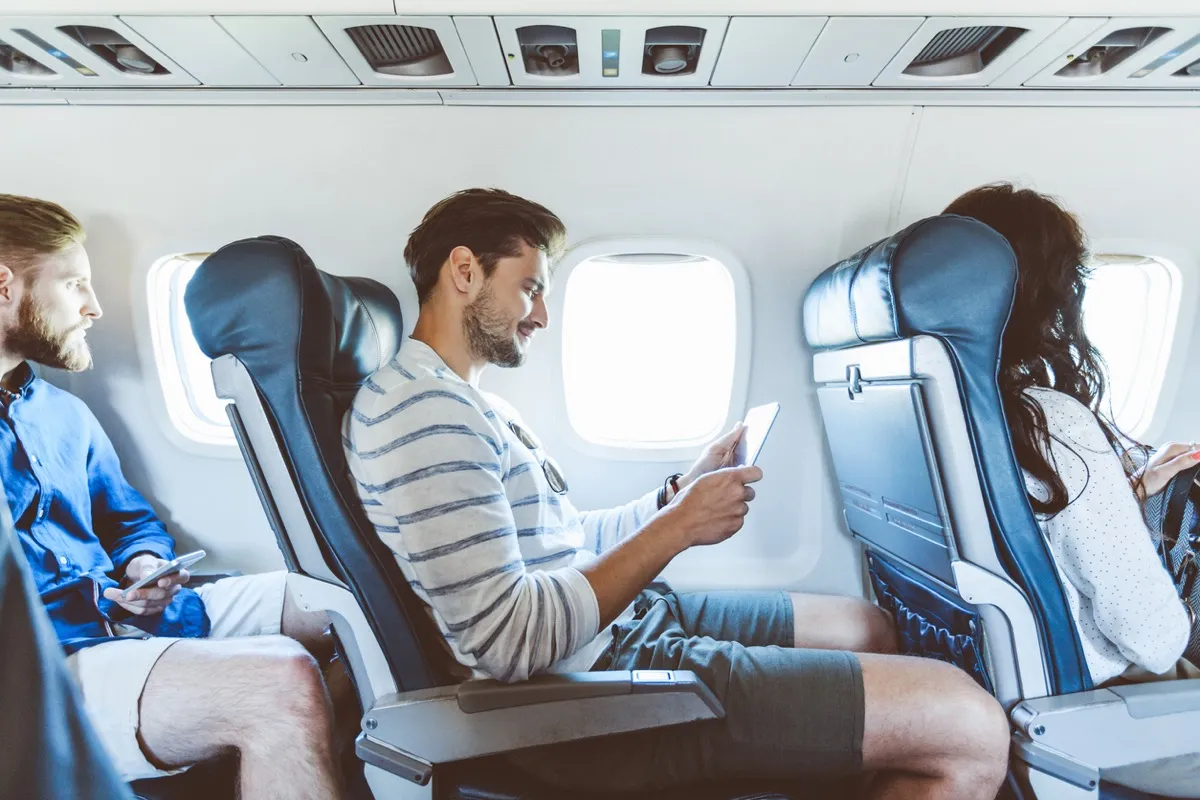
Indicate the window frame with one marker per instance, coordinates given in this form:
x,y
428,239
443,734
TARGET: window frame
x,y
1180,318
743,349
189,429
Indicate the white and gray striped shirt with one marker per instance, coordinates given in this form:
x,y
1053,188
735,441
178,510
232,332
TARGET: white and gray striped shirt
x,y
482,538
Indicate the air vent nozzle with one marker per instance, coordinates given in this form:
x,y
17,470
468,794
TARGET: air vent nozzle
x,y
672,50
114,48
1110,51
962,51
549,50
401,50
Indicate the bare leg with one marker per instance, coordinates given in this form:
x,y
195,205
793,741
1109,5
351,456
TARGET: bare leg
x,y
835,622
930,731
262,696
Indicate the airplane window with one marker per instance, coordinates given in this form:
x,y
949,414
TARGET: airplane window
x,y
1130,312
183,370
649,347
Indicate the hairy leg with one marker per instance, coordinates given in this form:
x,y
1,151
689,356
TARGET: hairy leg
x,y
262,696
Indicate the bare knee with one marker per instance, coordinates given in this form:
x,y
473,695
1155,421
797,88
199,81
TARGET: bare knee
x,y
296,675
931,722
977,733
287,689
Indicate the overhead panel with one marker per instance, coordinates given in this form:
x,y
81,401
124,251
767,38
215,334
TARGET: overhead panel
x,y
765,51
293,49
953,52
415,51
1052,47
204,49
1124,53
1179,68
480,41
611,52
852,51
83,51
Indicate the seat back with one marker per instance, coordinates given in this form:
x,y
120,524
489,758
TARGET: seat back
x,y
291,347
907,336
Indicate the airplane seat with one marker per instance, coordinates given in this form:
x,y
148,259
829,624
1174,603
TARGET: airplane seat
x,y
906,337
291,347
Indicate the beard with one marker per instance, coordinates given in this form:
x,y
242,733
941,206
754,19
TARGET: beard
x,y
34,339
489,333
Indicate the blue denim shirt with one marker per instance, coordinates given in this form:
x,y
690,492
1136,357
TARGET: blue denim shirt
x,y
78,519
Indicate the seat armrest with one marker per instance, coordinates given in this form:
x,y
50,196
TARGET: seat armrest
x,y
1140,723
409,733
488,695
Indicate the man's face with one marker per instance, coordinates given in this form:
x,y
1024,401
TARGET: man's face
x,y
510,307
54,311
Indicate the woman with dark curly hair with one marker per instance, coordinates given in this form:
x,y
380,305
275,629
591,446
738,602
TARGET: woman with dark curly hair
x,y
1081,483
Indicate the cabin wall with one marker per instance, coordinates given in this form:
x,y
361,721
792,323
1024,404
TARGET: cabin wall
x,y
787,190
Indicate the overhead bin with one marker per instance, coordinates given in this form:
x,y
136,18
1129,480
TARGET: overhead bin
x,y
1127,53
765,51
647,52
292,49
202,47
400,51
83,51
852,51
950,52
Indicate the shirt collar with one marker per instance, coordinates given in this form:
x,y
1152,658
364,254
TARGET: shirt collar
x,y
419,354
25,377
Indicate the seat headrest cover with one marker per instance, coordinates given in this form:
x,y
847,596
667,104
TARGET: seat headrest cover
x,y
255,297
897,288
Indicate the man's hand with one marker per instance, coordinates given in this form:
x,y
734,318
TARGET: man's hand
x,y
1167,462
149,599
714,507
728,451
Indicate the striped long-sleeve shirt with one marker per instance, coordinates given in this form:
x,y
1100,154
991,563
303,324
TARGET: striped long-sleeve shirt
x,y
484,541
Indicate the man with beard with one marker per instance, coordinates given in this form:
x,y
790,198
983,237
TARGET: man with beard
x,y
519,582
168,676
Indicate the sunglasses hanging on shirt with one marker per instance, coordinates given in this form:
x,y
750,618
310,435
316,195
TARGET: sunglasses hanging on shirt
x,y
550,468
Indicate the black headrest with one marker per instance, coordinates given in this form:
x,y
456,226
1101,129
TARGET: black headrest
x,y
309,340
948,276
259,298
955,278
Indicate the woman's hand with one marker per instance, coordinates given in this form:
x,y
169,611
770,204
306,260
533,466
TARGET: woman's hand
x,y
1167,462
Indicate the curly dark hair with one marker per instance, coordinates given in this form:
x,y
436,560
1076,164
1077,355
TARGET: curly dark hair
x,y
1045,344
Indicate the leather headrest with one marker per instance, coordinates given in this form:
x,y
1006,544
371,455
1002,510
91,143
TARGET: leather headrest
x,y
946,276
264,301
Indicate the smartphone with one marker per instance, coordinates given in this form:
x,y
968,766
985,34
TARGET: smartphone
x,y
169,568
758,424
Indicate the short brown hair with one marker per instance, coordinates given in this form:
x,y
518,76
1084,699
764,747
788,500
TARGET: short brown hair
x,y
30,228
490,222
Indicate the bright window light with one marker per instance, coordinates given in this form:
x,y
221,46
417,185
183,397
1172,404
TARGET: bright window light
x,y
649,349
183,370
1130,309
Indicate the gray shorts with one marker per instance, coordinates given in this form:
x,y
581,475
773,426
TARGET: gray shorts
x,y
789,713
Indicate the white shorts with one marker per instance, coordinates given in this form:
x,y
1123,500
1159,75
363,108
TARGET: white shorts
x,y
111,676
